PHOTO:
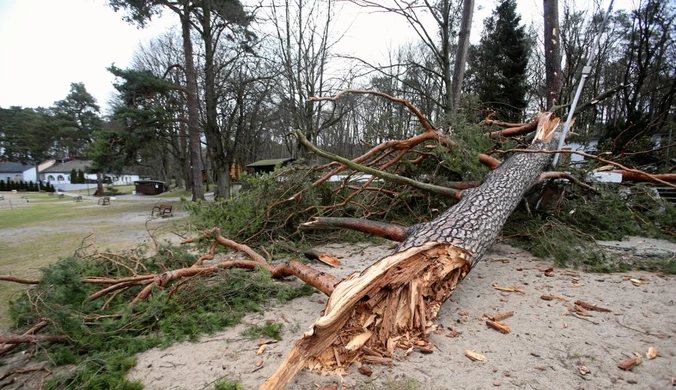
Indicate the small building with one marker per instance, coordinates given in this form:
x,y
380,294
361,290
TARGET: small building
x,y
150,187
266,166
16,172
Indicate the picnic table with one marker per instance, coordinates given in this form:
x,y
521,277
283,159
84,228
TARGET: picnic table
x,y
104,200
78,198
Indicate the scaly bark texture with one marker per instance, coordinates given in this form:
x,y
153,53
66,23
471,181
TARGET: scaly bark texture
x,y
475,221
391,304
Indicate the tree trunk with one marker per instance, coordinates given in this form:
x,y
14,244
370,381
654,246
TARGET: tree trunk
x,y
552,52
193,113
461,55
99,183
392,303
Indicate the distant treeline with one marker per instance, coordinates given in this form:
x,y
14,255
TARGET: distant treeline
x,y
26,186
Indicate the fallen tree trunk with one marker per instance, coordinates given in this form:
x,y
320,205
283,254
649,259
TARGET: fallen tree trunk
x,y
392,303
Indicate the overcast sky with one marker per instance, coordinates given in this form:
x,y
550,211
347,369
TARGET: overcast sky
x,y
47,44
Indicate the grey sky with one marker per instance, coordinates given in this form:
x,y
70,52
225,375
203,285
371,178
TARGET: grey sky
x,y
47,44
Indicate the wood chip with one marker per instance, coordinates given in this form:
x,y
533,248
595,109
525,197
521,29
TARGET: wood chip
x,y
509,289
652,353
464,313
499,326
329,260
266,341
548,297
259,363
490,317
500,260
549,272
261,349
636,282
358,341
628,364
581,311
584,370
365,370
496,384
590,306
473,356
329,388
503,315
377,360
453,334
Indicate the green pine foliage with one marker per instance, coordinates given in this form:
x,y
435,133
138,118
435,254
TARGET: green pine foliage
x,y
3,186
498,65
102,341
567,233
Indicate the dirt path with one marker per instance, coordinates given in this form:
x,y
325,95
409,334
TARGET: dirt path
x,y
546,349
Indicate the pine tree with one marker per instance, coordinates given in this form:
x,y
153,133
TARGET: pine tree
x,y
500,61
73,176
2,186
80,176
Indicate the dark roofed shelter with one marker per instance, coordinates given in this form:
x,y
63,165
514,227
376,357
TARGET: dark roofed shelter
x,y
150,187
265,166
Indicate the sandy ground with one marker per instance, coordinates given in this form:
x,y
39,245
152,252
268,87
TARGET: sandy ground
x,y
548,347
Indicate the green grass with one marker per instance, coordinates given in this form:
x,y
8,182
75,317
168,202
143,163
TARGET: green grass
x,y
46,210
272,330
49,228
174,194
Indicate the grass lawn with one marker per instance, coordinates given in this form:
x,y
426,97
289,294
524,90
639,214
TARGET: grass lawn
x,y
122,190
46,228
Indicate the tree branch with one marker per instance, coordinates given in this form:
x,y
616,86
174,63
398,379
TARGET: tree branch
x,y
374,172
374,228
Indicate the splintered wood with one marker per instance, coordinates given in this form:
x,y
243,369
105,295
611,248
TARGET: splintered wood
x,y
499,326
509,289
590,306
493,321
473,356
369,315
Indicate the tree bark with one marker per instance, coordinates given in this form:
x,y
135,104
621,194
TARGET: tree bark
x,y
461,55
193,113
552,52
392,303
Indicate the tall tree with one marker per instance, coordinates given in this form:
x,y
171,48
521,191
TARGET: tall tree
x,y
26,135
461,56
552,52
77,118
439,40
141,12
214,18
303,46
500,61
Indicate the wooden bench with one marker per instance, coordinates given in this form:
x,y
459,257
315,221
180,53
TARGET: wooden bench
x,y
61,196
104,201
163,210
78,198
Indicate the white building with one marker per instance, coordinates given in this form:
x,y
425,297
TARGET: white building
x,y
17,172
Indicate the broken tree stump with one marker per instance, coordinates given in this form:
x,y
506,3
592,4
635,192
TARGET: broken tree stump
x,y
392,303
